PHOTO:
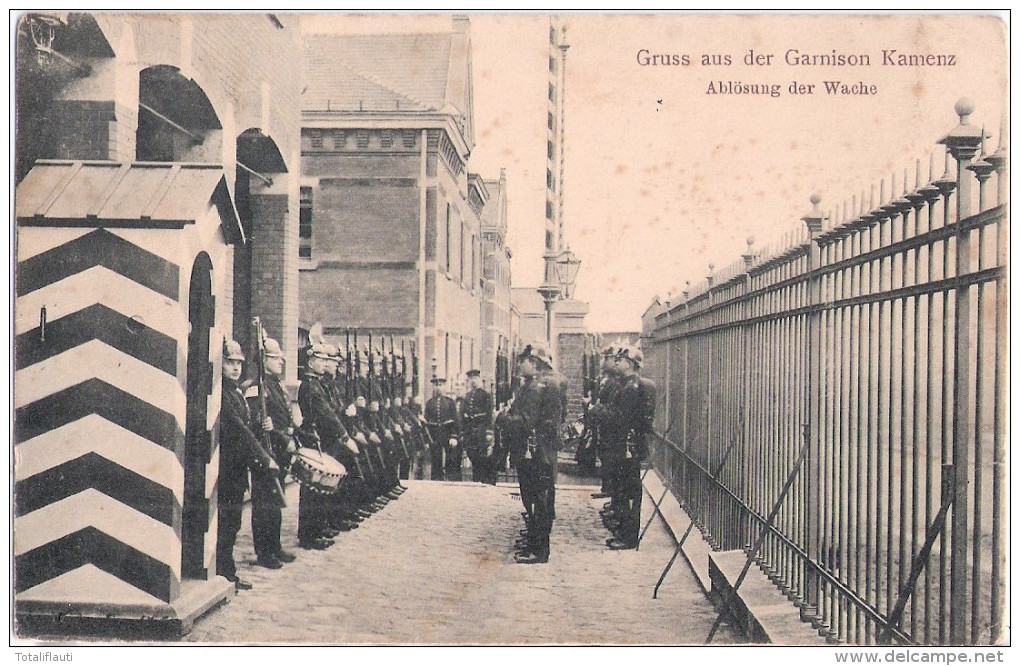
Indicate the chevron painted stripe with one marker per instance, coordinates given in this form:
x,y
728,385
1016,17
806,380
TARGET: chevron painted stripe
x,y
90,587
95,396
90,545
31,243
98,248
97,360
101,285
91,508
92,471
94,434
97,322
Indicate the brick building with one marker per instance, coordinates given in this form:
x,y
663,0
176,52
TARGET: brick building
x,y
391,231
156,162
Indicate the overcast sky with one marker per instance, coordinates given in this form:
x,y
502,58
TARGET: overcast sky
x,y
663,179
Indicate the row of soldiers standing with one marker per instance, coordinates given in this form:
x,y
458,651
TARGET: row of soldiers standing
x,y
355,413
619,414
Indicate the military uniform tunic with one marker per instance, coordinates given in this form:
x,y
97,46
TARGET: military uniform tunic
x,y
240,450
441,421
476,421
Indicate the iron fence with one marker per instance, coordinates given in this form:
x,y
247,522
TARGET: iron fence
x,y
878,338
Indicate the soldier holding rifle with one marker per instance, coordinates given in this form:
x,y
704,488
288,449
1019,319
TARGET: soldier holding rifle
x,y
631,416
240,449
268,397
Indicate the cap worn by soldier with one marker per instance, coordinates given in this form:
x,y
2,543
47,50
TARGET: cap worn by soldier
x,y
232,351
473,373
272,348
608,352
438,380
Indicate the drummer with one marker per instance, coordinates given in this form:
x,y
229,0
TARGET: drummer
x,y
266,515
318,414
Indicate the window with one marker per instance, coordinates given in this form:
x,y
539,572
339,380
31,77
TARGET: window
x,y
552,35
474,254
548,210
446,262
316,138
552,93
460,253
550,149
305,224
549,179
552,64
552,121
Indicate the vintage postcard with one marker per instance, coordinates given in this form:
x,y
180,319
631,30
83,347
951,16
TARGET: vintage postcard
x,y
532,329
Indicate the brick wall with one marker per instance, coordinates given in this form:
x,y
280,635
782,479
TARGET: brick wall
x,y
80,129
360,297
570,365
268,282
365,220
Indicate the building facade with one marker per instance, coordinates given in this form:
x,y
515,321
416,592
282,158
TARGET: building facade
x,y
498,339
156,155
391,221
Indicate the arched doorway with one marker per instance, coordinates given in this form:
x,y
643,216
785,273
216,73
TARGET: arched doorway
x,y
197,437
176,120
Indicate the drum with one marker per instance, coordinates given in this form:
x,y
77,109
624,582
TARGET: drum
x,y
317,471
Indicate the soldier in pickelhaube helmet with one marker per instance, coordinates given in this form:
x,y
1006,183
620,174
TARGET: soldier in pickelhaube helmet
x,y
266,514
609,384
319,416
533,425
240,450
631,414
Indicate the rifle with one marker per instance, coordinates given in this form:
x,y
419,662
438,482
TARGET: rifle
x,y
349,391
260,369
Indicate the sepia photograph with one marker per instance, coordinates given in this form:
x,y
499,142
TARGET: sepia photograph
x,y
440,329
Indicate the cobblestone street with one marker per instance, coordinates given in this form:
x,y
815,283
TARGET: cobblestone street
x,y
436,567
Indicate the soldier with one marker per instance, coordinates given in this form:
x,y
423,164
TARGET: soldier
x,y
266,514
633,410
341,515
240,449
476,426
441,421
317,410
603,398
535,416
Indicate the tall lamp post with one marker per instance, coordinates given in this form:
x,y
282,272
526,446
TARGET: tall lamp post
x,y
566,265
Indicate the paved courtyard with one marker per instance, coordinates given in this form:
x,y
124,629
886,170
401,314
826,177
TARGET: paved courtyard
x,y
436,567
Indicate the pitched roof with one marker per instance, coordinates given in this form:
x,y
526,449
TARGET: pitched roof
x,y
378,72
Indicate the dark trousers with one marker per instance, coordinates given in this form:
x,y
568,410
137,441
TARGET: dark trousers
x,y
630,499
312,514
266,518
228,524
479,462
453,462
436,453
543,496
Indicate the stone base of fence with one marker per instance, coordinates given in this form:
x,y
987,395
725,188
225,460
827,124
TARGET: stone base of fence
x,y
760,611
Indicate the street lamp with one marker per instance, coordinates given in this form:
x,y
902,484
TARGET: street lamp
x,y
567,265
